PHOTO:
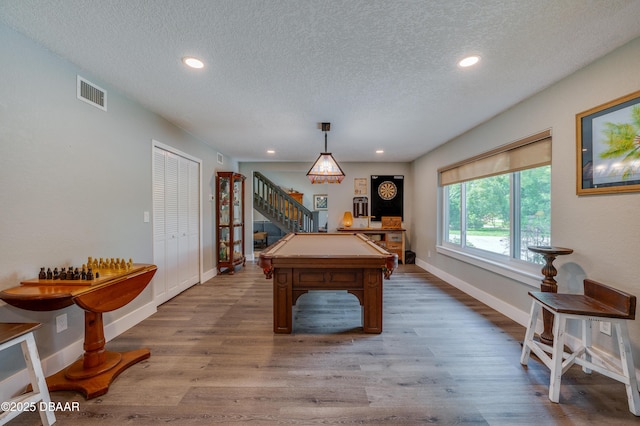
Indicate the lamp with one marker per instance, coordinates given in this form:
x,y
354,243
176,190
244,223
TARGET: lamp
x,y
326,168
347,219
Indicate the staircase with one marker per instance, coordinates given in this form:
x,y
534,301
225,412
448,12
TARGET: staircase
x,y
280,208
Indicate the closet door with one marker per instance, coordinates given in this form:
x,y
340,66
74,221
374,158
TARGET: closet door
x,y
176,223
159,232
171,225
188,222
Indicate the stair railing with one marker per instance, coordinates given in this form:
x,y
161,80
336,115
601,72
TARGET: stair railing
x,y
282,209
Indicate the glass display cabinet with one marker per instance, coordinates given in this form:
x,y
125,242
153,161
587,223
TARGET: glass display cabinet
x,y
230,220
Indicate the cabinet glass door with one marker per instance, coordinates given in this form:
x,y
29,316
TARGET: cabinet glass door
x,y
224,201
237,202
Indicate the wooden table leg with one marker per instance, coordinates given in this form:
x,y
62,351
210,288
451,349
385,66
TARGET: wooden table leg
x,y
97,369
549,284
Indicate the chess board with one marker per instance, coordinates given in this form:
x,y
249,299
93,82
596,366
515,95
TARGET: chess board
x,y
101,271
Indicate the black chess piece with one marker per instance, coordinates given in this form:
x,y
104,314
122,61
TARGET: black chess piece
x,y
76,274
42,275
56,274
49,274
63,274
90,274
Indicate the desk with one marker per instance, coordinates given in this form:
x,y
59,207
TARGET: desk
x,y
93,373
301,262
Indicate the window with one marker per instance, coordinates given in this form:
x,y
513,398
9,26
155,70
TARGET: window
x,y
497,204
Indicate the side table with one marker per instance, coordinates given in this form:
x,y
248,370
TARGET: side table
x,y
549,284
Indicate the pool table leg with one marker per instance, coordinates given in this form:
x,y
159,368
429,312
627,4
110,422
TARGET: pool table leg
x,y
372,308
283,300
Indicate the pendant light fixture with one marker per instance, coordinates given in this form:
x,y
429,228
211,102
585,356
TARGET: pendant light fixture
x,y
326,168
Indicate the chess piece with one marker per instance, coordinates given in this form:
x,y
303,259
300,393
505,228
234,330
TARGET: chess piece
x,y
90,274
83,274
49,274
63,274
56,274
76,274
42,275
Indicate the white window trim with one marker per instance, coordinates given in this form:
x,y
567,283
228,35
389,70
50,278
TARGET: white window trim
x,y
523,272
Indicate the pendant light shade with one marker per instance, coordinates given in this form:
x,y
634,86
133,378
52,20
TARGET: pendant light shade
x,y
326,168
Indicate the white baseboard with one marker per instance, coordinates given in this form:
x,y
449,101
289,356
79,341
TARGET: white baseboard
x,y
206,276
510,311
122,324
519,316
17,383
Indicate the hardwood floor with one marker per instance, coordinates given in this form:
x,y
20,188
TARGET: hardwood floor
x,y
443,358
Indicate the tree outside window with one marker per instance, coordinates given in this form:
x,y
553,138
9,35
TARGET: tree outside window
x,y
479,212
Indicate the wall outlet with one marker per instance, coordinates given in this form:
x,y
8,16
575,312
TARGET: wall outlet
x,y
605,327
61,323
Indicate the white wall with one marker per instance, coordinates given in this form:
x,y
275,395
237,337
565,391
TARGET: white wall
x,y
76,180
603,230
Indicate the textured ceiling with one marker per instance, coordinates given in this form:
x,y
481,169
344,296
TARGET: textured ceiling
x,y
382,72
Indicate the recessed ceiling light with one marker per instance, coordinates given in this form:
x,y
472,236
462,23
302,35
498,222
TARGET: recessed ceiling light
x,y
192,62
379,151
270,151
469,61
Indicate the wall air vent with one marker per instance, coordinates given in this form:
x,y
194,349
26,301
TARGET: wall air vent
x,y
91,94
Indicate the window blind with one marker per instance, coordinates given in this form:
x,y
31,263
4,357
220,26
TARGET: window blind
x,y
527,153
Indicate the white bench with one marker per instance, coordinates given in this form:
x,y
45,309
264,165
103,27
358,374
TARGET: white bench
x,y
11,334
599,303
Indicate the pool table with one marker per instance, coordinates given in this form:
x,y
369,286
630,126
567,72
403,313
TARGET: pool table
x,y
302,262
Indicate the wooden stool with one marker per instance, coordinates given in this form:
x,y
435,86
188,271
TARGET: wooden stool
x,y
599,303
10,335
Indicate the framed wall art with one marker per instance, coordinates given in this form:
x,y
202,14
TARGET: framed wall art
x,y
320,201
360,186
608,147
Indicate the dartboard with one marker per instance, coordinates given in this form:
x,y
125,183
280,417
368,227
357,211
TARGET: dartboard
x,y
387,190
